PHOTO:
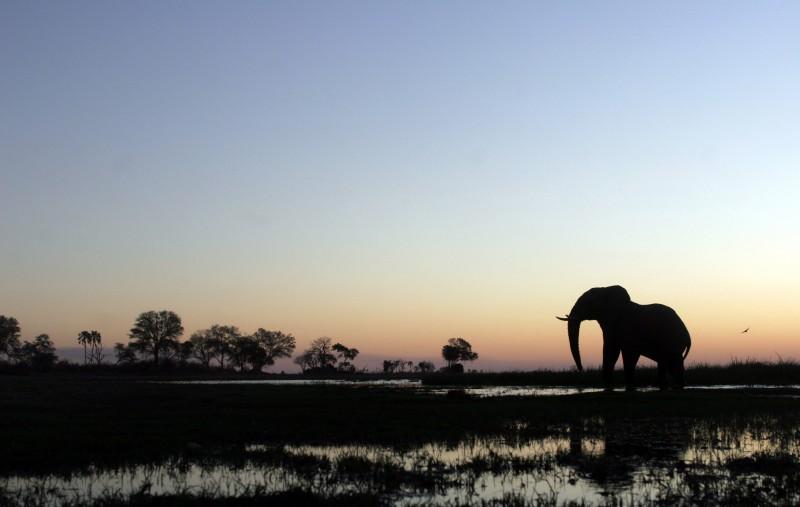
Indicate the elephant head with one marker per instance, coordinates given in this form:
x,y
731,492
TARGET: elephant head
x,y
600,303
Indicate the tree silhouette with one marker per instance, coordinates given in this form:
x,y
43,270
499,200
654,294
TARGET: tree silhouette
x,y
40,354
457,350
346,356
84,338
272,345
155,333
9,336
318,356
125,354
304,361
91,340
397,366
222,339
425,367
202,347
243,351
185,352
322,353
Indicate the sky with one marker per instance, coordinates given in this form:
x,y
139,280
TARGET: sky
x,y
393,174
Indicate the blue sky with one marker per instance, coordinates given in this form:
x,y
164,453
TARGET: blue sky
x,y
396,173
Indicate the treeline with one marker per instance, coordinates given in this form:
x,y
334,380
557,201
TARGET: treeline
x,y
38,354
155,336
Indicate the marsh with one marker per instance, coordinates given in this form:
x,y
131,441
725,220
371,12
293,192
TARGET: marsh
x,y
74,441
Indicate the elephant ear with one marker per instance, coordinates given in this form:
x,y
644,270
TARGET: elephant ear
x,y
617,298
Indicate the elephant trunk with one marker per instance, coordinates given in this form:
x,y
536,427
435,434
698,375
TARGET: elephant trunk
x,y
573,330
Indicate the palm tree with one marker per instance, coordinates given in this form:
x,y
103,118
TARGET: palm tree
x,y
90,339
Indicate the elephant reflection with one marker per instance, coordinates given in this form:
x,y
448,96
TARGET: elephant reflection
x,y
622,447
653,331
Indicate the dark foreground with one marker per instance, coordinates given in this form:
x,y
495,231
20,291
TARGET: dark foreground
x,y
167,444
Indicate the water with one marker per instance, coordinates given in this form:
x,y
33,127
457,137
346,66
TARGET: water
x,y
593,461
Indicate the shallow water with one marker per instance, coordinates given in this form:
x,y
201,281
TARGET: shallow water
x,y
591,462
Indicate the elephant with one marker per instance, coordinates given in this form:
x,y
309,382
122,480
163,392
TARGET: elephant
x,y
654,331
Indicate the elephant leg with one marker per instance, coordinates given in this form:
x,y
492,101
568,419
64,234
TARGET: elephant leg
x,y
610,356
662,375
629,361
677,373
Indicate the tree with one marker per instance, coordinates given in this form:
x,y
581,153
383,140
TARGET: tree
x,y
125,354
318,356
155,333
185,352
244,350
39,354
397,366
221,339
203,348
304,361
457,350
425,367
84,338
346,356
273,344
9,336
322,353
93,341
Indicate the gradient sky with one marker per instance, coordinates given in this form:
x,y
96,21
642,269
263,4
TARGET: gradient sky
x,y
392,174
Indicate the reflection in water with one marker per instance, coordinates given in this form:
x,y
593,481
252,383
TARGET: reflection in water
x,y
595,461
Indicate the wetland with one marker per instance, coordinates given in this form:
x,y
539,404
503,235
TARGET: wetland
x,y
100,441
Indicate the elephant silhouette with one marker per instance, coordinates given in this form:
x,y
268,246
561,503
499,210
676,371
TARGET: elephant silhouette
x,y
654,331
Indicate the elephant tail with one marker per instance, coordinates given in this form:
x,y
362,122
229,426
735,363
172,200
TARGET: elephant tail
x,y
688,346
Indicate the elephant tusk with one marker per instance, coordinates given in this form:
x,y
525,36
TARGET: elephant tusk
x,y
564,318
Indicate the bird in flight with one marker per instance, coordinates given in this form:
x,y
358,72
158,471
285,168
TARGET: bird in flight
x,y
746,330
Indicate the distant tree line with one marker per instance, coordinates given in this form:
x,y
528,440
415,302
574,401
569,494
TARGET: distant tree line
x,y
402,366
40,354
155,338
325,356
